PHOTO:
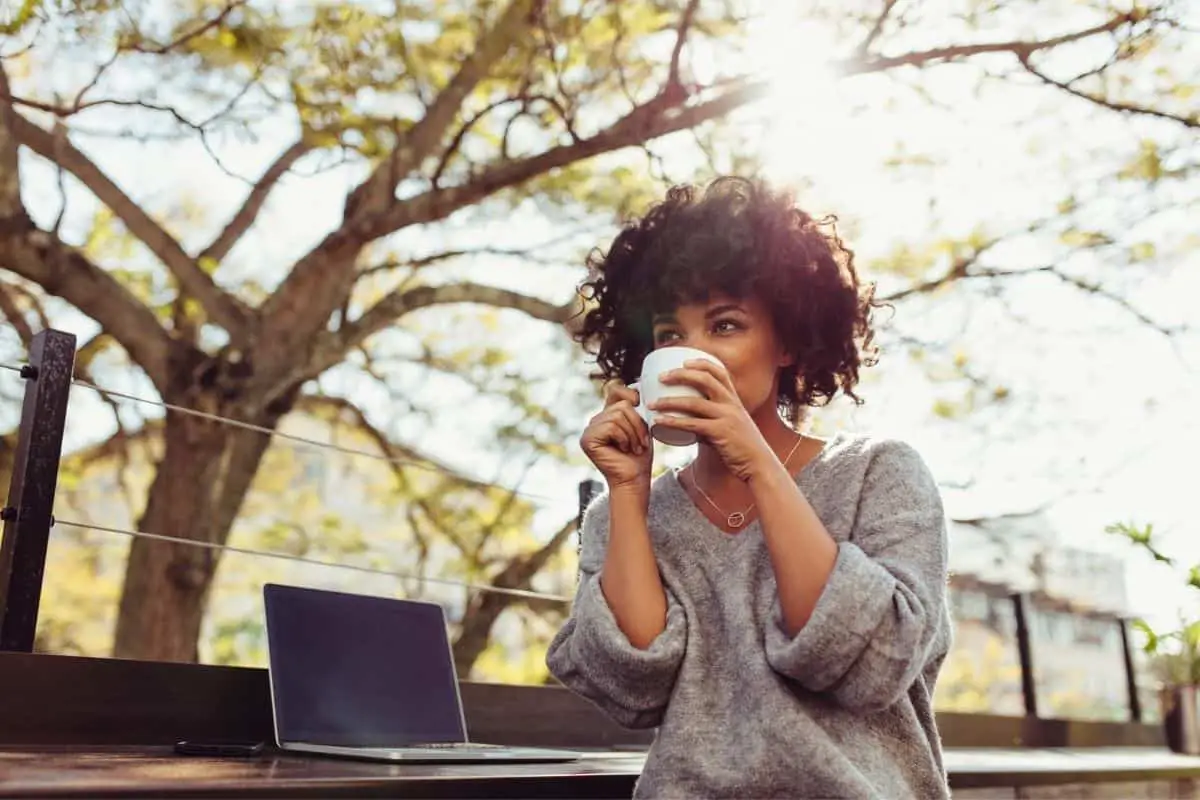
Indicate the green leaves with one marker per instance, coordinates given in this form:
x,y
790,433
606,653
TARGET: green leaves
x,y
1142,537
12,21
1175,654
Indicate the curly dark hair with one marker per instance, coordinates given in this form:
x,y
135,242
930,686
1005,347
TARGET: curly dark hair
x,y
741,238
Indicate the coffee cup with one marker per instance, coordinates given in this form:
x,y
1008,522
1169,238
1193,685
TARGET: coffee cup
x,y
651,389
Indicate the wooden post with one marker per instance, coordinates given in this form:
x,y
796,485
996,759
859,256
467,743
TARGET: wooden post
x,y
1025,652
1135,701
28,513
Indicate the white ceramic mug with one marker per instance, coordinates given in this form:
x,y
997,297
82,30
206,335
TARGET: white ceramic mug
x,y
651,389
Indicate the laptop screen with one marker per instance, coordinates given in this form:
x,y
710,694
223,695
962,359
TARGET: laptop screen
x,y
358,671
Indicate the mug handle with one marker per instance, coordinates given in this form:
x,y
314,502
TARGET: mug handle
x,y
640,408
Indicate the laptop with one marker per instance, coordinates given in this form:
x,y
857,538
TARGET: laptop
x,y
371,678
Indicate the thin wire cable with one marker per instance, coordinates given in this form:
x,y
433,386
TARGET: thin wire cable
x,y
158,537
408,462
274,434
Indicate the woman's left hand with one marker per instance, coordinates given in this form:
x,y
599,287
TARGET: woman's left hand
x,y
719,418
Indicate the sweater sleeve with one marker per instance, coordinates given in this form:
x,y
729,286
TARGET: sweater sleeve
x,y
592,656
882,613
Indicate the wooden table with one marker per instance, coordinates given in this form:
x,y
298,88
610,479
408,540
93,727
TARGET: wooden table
x,y
46,772
158,772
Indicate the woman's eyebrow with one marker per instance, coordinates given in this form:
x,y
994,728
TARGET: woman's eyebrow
x,y
664,317
721,309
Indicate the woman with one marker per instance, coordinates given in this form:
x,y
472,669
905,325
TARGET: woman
x,y
777,608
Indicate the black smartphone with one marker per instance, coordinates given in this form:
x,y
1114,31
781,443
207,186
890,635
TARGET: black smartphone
x,y
219,749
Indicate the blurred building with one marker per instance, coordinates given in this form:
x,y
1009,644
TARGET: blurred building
x,y
1076,599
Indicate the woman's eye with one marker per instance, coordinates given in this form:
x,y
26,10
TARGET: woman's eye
x,y
663,337
725,326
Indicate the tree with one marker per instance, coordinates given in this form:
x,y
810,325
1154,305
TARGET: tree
x,y
444,114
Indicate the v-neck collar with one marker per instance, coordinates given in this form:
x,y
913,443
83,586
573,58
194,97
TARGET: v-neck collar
x,y
753,526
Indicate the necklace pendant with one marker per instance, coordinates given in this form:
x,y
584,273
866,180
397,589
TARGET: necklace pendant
x,y
736,519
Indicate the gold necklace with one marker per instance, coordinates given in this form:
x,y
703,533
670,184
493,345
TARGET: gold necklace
x,y
738,518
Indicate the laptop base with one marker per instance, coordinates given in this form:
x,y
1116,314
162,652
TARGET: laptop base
x,y
454,752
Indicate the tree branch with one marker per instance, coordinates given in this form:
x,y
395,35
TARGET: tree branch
x,y
651,120
864,48
1121,302
331,348
961,272
402,456
1017,47
223,308
685,23
1192,121
378,191
248,213
327,270
11,207
60,270
199,30
524,253
12,312
486,607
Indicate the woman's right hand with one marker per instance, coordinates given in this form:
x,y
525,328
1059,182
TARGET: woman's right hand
x,y
618,442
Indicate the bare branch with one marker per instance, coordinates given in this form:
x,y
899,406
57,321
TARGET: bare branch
x,y
1017,47
1192,121
331,348
464,129
15,316
199,30
526,253
864,48
486,607
248,213
87,352
40,257
651,120
224,309
961,272
957,272
11,207
394,306
401,455
689,14
377,192
1123,303
60,270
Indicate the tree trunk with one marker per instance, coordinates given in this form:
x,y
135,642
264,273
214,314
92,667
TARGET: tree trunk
x,y
198,487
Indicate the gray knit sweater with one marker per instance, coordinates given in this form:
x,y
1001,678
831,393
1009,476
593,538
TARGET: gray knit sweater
x,y
843,709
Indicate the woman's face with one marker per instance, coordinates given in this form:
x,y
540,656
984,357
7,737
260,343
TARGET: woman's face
x,y
740,333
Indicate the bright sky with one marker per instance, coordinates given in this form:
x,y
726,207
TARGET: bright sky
x,y
1101,423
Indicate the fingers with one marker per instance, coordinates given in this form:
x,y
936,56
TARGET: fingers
x,y
694,406
634,424
613,431
718,371
615,392
620,426
694,425
631,425
708,384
